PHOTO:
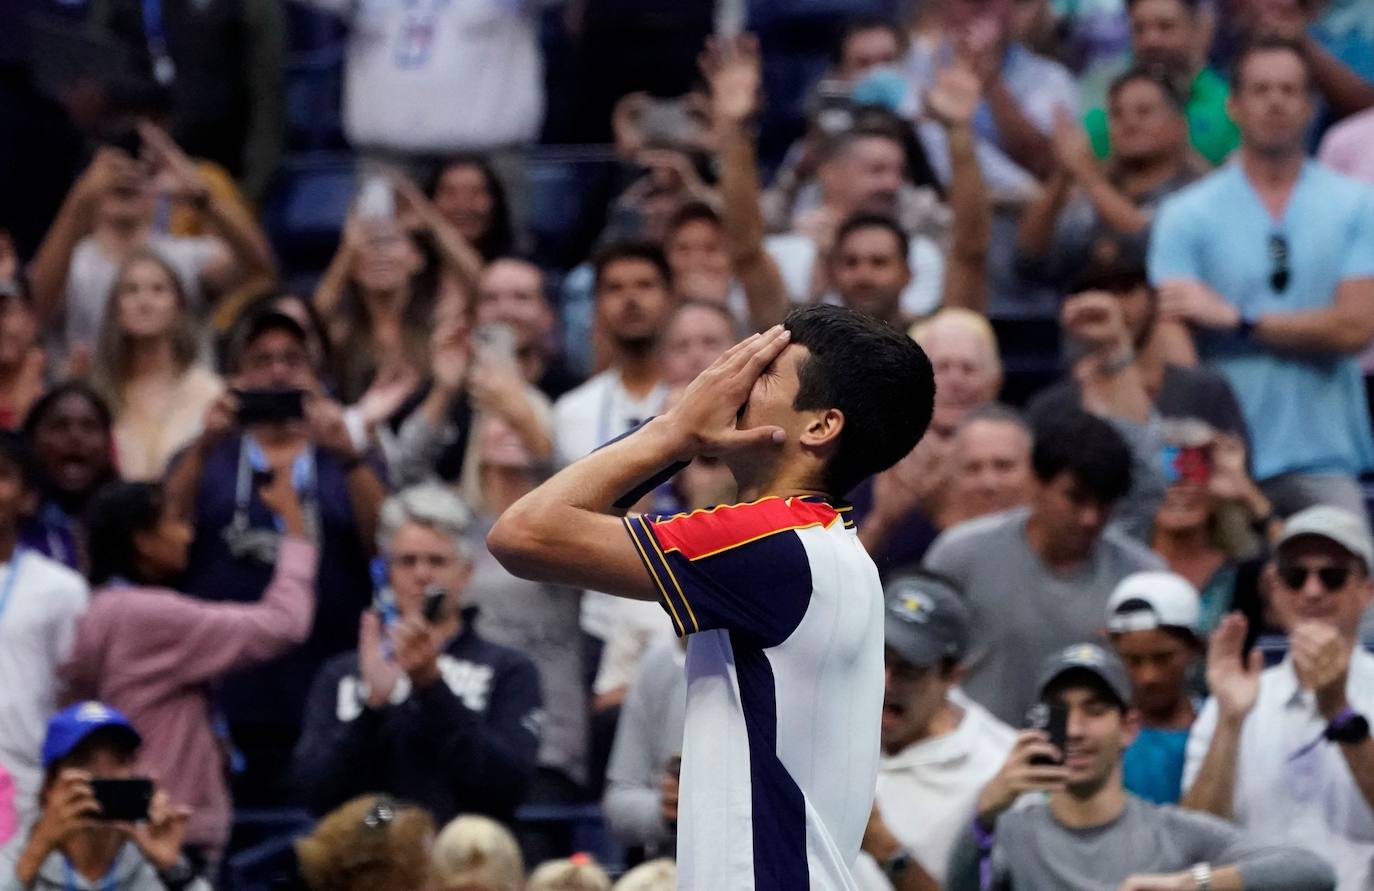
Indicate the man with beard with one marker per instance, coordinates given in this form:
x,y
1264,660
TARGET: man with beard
x,y
632,306
1169,36
1087,832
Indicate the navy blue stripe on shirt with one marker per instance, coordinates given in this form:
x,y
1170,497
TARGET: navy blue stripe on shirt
x,y
779,808
669,594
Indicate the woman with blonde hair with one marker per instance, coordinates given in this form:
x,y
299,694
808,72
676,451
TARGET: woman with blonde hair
x,y
476,853
656,875
576,873
368,844
147,366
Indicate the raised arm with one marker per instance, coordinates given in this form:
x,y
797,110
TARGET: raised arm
x,y
1074,152
953,101
75,219
1210,770
457,255
248,253
733,70
564,530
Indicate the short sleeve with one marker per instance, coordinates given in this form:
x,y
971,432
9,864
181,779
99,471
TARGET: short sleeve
x,y
1171,253
1359,253
1199,741
741,568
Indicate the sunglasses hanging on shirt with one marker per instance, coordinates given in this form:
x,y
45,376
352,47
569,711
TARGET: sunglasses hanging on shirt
x,y
1279,273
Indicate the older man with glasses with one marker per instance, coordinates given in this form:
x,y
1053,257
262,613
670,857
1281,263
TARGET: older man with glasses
x,y
1286,752
1271,260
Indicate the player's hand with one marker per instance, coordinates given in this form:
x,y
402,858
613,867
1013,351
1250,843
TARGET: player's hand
x,y
704,420
1019,776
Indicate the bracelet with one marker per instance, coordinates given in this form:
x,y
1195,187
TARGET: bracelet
x,y
1202,876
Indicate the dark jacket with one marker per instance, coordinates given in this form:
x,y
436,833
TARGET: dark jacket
x,y
464,745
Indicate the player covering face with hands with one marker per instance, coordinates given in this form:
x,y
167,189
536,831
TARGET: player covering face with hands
x,y
785,662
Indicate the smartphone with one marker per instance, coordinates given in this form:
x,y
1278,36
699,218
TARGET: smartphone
x,y
435,598
123,800
270,406
127,139
1052,718
832,107
1191,464
494,342
376,199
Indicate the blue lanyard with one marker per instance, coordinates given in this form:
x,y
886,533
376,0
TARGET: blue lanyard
x,y
10,576
108,883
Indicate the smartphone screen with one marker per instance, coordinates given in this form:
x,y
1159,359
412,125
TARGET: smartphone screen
x,y
1192,464
1052,718
435,597
270,406
125,800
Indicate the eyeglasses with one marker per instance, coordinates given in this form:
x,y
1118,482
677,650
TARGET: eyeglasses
x,y
1333,578
1278,255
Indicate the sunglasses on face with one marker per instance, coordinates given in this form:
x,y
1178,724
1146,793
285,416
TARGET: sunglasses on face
x,y
1279,274
1332,578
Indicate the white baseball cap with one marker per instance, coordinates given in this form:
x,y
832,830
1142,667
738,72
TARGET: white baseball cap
x,y
1144,601
1334,524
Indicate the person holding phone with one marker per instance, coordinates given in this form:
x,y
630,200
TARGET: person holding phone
x,y
138,626
101,825
1079,830
277,419
429,711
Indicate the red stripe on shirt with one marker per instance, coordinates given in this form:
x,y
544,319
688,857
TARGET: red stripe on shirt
x,y
706,532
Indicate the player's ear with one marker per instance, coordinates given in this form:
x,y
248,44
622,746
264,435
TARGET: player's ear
x,y
823,428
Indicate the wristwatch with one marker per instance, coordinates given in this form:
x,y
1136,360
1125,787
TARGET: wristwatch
x,y
1202,876
1347,728
1246,326
896,866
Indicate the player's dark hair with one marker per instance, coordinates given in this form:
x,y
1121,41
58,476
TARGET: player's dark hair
x,y
618,251
1269,44
117,513
1088,449
877,377
868,220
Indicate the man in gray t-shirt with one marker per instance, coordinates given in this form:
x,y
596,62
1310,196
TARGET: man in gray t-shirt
x,y
1038,578
1086,833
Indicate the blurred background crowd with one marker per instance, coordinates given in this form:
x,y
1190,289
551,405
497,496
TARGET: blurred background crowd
x,y
297,296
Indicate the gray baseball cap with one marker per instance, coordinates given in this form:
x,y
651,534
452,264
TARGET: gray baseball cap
x,y
1334,524
926,620
1093,658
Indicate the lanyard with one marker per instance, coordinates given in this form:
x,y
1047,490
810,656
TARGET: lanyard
x,y
107,883
164,71
8,588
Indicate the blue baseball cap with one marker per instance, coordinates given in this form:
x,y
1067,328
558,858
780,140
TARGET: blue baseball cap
x,y
69,728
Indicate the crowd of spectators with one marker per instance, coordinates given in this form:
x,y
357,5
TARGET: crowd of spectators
x,y
246,476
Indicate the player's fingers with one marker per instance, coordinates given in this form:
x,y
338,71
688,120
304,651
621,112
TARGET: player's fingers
x,y
750,363
739,440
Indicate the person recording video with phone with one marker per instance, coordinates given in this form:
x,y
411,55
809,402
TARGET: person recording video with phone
x,y
138,626
1057,815
425,709
275,420
101,825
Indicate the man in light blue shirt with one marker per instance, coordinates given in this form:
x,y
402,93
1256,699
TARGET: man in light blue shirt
x,y
1271,259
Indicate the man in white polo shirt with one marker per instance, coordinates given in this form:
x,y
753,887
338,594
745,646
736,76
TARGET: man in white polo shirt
x,y
1286,752
940,748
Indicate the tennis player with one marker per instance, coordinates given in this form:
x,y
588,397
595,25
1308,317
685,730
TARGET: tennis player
x,y
782,603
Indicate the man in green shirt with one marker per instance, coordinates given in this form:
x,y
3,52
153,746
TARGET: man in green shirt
x,y
1170,34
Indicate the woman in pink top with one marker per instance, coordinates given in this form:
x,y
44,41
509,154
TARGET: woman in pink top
x,y
152,652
